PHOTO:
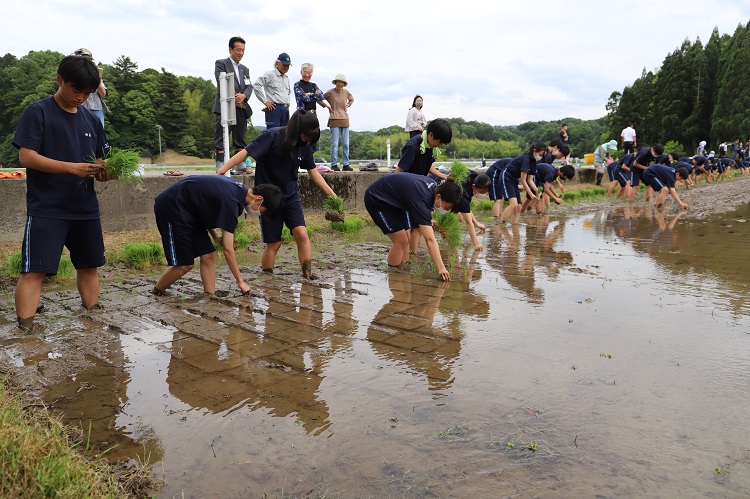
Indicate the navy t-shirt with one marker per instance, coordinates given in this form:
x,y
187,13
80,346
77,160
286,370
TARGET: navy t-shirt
x,y
500,164
726,162
665,174
644,157
412,193
203,202
78,137
412,160
545,173
662,159
523,163
467,192
274,166
684,164
627,160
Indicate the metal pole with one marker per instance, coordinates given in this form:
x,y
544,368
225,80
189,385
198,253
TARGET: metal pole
x,y
388,154
161,160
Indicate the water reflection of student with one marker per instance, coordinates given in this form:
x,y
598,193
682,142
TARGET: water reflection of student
x,y
403,330
506,258
278,368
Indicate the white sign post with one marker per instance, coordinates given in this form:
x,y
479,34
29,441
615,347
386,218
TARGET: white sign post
x,y
227,107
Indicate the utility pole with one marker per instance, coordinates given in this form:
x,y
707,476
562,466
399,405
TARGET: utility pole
x,y
161,160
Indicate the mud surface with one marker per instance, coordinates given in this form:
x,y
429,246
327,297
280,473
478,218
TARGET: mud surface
x,y
597,351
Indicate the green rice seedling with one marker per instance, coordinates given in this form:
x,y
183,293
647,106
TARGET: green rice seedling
x,y
334,209
571,196
349,225
458,171
65,270
122,164
141,255
448,226
586,193
599,191
486,204
241,240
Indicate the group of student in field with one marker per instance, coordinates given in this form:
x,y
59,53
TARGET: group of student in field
x,y
58,140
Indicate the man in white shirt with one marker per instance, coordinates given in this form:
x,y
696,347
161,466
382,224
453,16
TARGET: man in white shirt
x,y
629,141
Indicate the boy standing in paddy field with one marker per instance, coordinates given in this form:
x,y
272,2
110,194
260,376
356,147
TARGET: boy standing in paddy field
x,y
58,140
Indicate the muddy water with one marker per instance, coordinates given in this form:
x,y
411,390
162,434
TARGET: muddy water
x,y
615,345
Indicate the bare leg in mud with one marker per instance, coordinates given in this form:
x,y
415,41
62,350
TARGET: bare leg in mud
x,y
28,294
304,251
399,252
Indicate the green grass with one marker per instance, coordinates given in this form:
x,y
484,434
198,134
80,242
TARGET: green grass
x,y
571,196
349,225
65,269
586,193
141,255
37,461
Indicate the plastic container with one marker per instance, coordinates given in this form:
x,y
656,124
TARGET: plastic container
x,y
588,158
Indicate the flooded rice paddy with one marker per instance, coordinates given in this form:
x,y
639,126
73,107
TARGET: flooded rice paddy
x,y
602,355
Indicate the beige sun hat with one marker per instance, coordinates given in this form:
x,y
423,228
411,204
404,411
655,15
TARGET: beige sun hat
x,y
340,77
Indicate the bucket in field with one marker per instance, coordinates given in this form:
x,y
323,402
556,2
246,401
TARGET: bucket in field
x,y
588,158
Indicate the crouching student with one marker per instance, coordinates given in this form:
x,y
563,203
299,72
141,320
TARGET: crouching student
x,y
520,168
722,167
701,169
189,211
399,202
279,153
495,174
689,168
547,175
643,160
662,180
476,184
621,175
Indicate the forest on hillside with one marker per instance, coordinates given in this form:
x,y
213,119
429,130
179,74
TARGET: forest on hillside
x,y
700,92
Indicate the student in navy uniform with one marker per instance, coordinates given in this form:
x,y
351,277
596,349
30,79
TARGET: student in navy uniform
x,y
742,166
688,168
700,169
555,150
58,140
722,167
642,161
662,180
279,153
189,211
544,178
622,174
495,173
400,202
520,168
418,156
476,184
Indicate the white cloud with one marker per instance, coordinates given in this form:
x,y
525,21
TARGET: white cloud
x,y
497,62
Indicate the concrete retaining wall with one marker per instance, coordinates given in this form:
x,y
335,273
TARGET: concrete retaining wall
x,y
131,206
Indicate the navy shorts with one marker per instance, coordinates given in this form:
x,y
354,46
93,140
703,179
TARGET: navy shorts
x,y
509,186
389,218
622,176
182,244
652,181
495,190
44,238
611,169
635,178
291,215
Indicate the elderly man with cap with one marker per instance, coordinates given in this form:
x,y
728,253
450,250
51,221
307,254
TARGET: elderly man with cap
x,y
601,154
340,99
274,91
95,102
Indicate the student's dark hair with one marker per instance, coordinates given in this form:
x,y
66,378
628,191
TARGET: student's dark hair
x,y
555,143
564,150
414,102
563,125
699,160
683,172
658,149
234,40
300,122
271,199
449,191
675,156
80,72
539,146
630,124
481,181
568,171
441,130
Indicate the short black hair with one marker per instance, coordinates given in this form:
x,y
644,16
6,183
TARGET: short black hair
x,y
450,191
555,143
234,40
683,172
481,181
441,130
568,171
414,102
565,150
658,149
271,199
80,72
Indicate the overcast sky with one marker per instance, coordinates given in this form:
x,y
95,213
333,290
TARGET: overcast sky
x,y
500,62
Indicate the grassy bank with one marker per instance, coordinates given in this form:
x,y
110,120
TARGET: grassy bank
x,y
37,459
